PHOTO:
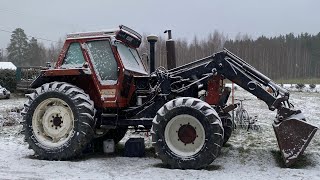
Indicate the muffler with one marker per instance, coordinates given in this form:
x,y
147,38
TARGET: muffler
x,y
293,135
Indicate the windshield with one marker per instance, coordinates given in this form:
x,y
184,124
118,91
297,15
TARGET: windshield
x,y
130,58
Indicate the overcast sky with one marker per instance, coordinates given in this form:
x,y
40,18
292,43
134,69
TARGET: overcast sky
x,y
54,19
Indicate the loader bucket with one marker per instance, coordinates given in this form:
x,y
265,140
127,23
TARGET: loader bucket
x,y
293,135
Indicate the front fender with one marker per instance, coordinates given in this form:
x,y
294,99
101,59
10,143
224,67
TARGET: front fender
x,y
65,75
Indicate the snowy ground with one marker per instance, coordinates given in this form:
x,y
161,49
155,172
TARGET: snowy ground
x,y
248,155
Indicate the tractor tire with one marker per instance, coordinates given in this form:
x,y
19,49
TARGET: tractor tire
x,y
58,121
115,134
187,133
227,126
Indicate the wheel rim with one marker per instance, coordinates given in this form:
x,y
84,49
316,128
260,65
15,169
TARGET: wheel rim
x,y
53,122
184,135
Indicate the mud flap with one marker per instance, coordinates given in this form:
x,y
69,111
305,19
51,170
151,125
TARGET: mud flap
x,y
293,135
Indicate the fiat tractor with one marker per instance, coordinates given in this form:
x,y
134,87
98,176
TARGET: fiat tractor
x,y
100,87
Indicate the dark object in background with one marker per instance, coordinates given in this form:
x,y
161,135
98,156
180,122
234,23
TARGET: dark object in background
x,y
4,93
312,86
300,86
134,147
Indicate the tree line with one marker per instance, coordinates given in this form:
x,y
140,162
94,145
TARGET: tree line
x,y
282,57
23,51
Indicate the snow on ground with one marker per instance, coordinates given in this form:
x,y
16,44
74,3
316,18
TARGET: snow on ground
x,y
248,155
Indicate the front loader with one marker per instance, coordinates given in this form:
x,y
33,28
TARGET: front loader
x,y
100,87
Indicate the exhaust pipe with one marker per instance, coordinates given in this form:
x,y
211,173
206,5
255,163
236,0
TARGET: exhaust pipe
x,y
152,39
171,52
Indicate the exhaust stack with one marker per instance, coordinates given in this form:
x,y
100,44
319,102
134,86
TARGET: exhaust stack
x,y
152,39
171,52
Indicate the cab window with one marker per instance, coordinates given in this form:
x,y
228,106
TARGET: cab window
x,y
130,58
103,60
74,56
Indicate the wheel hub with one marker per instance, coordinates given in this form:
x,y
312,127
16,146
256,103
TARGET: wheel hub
x,y
57,120
184,135
187,134
53,122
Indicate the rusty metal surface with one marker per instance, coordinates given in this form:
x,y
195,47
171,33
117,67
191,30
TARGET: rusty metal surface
x,y
293,137
171,54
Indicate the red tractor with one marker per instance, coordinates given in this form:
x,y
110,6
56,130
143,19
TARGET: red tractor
x,y
99,87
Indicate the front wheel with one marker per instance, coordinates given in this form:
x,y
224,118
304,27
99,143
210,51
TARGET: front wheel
x,y
187,133
58,121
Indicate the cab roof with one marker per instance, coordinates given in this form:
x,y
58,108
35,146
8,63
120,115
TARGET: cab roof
x,y
91,34
104,33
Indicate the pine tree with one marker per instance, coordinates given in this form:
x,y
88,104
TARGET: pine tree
x,y
1,55
18,47
33,54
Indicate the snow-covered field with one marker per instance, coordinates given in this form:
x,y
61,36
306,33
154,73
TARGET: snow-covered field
x,y
248,155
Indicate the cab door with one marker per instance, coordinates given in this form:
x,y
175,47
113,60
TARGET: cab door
x,y
105,68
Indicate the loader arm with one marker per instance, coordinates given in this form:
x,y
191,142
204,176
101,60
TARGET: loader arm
x,y
240,72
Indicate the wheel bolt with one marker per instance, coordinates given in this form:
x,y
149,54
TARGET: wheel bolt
x,y
51,125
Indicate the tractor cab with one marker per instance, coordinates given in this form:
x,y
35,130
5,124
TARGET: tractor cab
x,y
107,50
105,61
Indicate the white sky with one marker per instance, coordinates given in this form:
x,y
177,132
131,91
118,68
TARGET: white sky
x,y
54,19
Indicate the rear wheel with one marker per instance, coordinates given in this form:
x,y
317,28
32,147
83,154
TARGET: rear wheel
x,y
58,121
187,133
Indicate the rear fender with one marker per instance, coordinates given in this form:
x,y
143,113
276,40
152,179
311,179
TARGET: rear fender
x,y
80,79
